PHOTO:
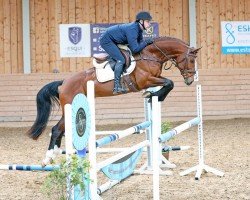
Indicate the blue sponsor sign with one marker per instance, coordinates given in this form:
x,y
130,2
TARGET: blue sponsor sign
x,y
235,37
96,31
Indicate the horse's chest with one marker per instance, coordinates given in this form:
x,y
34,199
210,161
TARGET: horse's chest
x,y
155,72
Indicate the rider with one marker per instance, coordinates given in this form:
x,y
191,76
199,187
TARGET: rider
x,y
129,33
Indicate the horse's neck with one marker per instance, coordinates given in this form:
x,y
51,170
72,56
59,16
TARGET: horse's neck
x,y
173,47
164,50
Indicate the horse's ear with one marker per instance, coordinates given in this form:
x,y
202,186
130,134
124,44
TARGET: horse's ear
x,y
195,51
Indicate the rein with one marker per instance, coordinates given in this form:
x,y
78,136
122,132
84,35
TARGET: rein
x,y
171,59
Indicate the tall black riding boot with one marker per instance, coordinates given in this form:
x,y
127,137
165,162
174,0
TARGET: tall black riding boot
x,y
118,71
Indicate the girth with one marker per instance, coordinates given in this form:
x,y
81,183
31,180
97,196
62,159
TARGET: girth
x,y
130,83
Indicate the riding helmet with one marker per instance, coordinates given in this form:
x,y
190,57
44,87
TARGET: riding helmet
x,y
143,15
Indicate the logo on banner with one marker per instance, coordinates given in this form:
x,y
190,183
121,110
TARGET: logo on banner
x,y
75,34
150,30
71,40
230,33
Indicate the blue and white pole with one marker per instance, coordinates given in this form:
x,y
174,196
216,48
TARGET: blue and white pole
x,y
29,167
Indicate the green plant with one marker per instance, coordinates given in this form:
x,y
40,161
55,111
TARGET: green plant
x,y
55,185
165,126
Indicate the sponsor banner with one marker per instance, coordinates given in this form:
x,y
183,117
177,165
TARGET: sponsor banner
x,y
96,31
236,50
235,37
75,40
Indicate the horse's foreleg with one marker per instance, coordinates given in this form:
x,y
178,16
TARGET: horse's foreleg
x,y
163,92
55,142
158,81
167,84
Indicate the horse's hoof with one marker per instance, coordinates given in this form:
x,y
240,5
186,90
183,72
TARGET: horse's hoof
x,y
146,94
47,161
43,164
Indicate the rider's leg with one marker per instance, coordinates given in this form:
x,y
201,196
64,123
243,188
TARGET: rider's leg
x,y
111,48
117,81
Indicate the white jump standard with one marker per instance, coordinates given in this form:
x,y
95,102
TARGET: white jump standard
x,y
201,166
112,167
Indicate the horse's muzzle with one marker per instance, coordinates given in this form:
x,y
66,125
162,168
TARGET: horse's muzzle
x,y
189,80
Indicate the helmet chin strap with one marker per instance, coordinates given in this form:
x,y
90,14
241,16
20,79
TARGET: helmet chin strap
x,y
142,24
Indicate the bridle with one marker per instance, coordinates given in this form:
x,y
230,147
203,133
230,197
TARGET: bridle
x,y
184,71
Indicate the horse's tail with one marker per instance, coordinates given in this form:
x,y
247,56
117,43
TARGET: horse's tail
x,y
45,100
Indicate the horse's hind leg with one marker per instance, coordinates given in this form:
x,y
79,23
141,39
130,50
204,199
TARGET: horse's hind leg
x,y
59,140
57,149
55,142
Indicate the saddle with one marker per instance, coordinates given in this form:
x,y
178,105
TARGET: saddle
x,y
104,64
103,57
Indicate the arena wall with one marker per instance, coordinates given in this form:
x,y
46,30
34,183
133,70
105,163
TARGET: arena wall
x,y
225,95
225,78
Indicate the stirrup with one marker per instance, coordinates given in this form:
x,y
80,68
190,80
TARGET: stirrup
x,y
119,90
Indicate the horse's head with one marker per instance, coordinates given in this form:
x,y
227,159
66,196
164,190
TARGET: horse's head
x,y
185,62
179,53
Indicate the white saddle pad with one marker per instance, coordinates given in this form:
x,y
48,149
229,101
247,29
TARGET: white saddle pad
x,y
107,74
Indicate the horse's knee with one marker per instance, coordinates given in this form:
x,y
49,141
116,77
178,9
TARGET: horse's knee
x,y
169,84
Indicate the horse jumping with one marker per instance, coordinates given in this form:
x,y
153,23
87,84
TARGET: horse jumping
x,y
147,73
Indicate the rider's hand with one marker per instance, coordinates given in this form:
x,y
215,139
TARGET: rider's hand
x,y
149,41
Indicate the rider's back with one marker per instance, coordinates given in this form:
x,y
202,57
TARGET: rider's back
x,y
126,34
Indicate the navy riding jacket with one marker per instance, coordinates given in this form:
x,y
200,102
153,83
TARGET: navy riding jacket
x,y
129,33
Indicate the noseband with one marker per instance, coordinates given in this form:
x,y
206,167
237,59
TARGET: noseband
x,y
185,72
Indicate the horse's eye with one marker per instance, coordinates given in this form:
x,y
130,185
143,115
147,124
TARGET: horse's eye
x,y
192,61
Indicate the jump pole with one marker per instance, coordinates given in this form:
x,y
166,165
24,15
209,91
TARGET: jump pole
x,y
29,167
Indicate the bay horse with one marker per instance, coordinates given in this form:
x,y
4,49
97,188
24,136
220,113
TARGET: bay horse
x,y
147,73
